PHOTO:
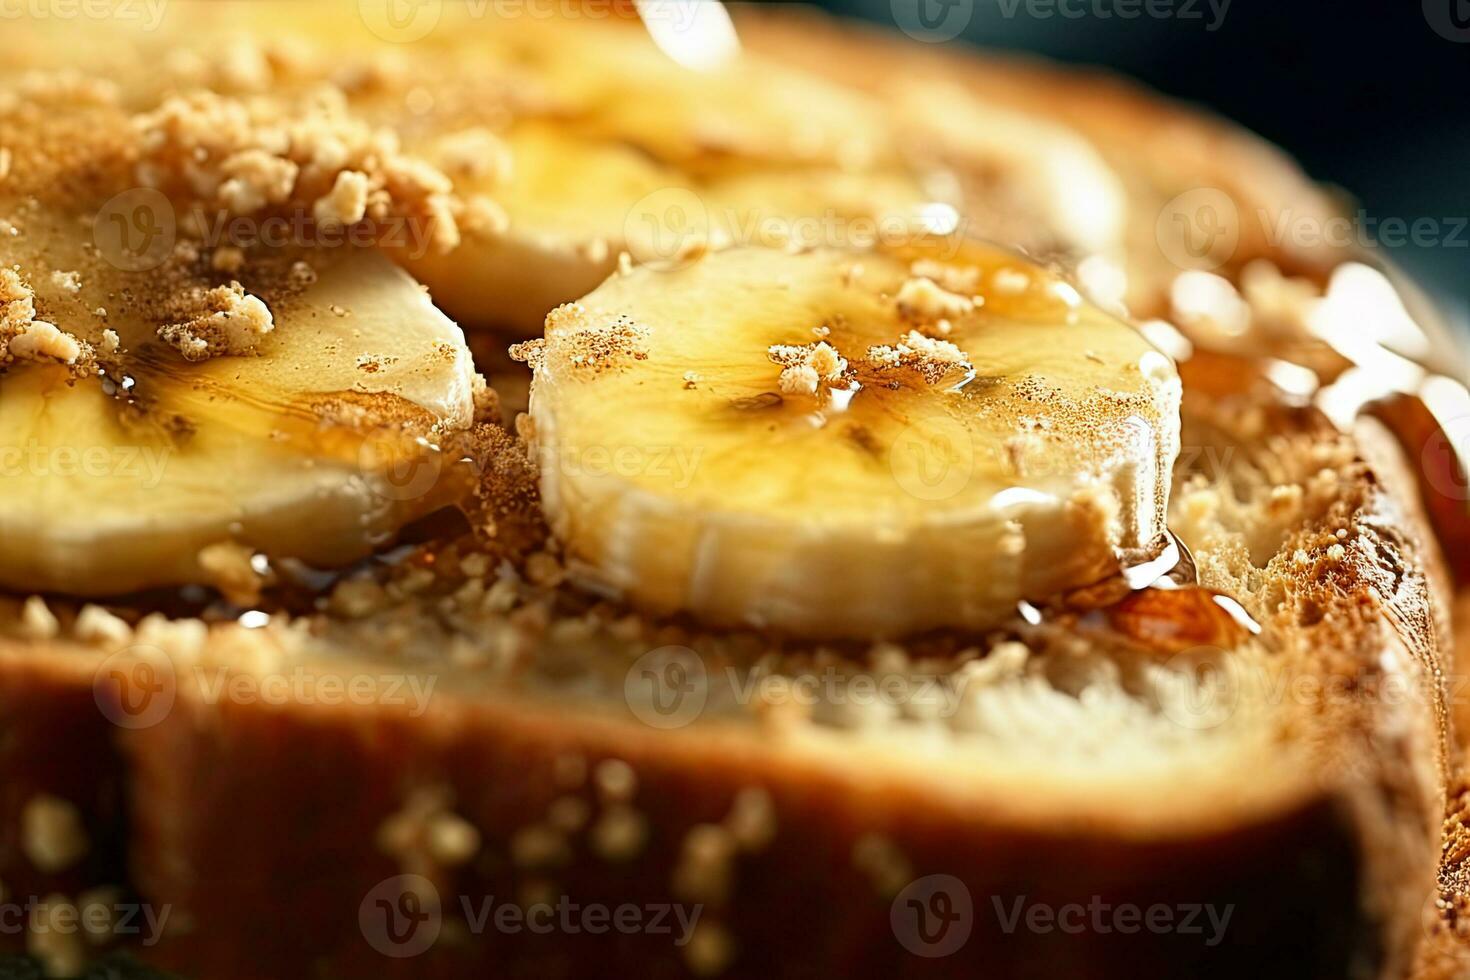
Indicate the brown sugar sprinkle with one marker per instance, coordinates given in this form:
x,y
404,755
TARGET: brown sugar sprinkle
x,y
583,347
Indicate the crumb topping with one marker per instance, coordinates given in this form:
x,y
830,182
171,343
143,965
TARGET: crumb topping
x,y
37,621
921,298
346,203
805,368
23,337
935,361
310,156
476,153
964,280
225,322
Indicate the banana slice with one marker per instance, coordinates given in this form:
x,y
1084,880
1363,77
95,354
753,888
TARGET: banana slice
x,y
152,406
849,444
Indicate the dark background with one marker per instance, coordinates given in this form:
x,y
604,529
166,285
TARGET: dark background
x,y
1367,94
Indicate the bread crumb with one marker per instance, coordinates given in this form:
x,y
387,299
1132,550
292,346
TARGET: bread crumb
x,y
292,156
110,340
484,217
805,368
69,282
923,298
96,625
346,203
1010,281
5,159
227,322
476,153
799,379
37,621
935,361
964,280
229,568
180,637
52,835
253,179
41,341
227,259
543,569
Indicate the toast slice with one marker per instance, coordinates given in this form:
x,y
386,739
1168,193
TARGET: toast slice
x,y
359,787
507,753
